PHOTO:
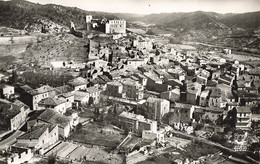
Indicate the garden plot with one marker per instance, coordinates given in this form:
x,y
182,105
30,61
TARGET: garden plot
x,y
94,154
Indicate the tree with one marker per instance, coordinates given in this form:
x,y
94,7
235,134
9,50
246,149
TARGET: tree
x,y
52,159
12,40
14,77
126,132
96,113
231,118
91,101
79,126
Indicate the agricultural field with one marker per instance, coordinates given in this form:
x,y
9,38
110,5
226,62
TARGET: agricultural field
x,y
44,49
63,47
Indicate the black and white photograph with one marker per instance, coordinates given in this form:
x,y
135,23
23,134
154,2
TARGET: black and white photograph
x,y
129,81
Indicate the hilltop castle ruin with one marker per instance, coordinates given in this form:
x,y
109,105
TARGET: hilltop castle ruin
x,y
107,26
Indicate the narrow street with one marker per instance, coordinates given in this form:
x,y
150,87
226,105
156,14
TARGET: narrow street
x,y
10,140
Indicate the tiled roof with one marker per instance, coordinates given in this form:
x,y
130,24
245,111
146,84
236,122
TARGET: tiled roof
x,y
34,114
92,90
79,95
69,94
154,99
204,93
128,81
37,131
181,105
26,88
115,83
42,89
216,93
104,78
97,81
52,117
63,89
52,101
135,117
152,76
243,109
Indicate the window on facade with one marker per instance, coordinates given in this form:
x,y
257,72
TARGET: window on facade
x,y
244,114
240,114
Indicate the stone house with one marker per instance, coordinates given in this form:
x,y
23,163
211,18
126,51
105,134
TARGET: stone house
x,y
215,98
136,123
94,95
204,97
78,83
81,97
49,116
132,89
6,91
243,117
157,108
13,115
114,89
34,96
39,137
173,95
57,104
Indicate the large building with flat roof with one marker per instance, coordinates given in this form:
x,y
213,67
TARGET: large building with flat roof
x,y
116,26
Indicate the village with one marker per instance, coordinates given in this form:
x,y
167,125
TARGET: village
x,y
132,97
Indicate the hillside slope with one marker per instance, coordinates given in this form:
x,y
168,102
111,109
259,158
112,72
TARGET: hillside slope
x,y
21,14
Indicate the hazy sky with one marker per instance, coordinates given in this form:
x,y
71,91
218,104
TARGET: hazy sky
x,y
159,6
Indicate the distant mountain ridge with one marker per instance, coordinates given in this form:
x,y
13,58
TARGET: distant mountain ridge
x,y
200,19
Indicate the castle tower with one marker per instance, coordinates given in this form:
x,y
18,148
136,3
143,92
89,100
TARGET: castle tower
x,y
88,21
